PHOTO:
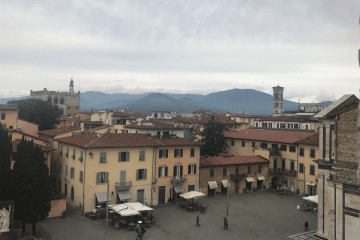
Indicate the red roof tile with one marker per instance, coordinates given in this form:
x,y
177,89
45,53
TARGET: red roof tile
x,y
8,107
57,131
268,135
312,140
233,160
179,142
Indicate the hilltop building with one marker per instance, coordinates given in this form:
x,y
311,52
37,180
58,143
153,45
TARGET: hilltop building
x,y
277,101
68,102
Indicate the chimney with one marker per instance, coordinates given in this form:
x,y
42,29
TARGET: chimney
x,y
81,127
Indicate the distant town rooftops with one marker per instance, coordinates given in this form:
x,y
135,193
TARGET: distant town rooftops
x,y
268,135
129,115
8,107
248,116
153,124
233,160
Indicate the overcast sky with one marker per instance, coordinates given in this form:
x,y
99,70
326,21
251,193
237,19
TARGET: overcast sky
x,y
308,47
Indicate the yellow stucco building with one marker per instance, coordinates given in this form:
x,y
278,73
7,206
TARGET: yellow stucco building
x,y
132,163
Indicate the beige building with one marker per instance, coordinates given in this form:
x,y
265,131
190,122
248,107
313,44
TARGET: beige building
x,y
246,174
283,150
8,115
131,162
339,170
68,102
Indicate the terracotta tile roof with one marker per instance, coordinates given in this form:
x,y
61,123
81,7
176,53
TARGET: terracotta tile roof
x,y
179,142
111,140
43,148
268,135
100,128
57,131
233,160
129,114
283,119
8,107
153,124
312,140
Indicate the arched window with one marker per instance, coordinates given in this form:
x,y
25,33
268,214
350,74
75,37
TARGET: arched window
x,y
56,99
49,99
72,193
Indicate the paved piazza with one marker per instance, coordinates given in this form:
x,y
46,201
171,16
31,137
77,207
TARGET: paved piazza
x,y
257,215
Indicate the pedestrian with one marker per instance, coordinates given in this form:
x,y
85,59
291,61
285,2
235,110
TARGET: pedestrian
x,y
306,226
142,231
226,224
197,221
138,231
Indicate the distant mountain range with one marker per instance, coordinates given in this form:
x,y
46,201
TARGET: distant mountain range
x,y
248,101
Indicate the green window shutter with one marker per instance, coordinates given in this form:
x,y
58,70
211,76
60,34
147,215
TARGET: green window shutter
x,y
119,157
127,156
137,174
175,153
145,173
106,177
166,153
194,168
97,178
181,152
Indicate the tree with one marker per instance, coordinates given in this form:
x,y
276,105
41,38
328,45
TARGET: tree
x,y
5,165
213,138
31,185
38,111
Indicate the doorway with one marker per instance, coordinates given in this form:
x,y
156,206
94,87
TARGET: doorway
x,y
259,184
275,182
161,195
248,186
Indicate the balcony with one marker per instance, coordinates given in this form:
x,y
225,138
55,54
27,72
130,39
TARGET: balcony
x,y
237,176
178,179
123,185
283,171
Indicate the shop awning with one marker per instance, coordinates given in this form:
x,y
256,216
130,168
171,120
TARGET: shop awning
x,y
261,178
179,189
213,185
101,197
224,183
250,179
311,184
124,195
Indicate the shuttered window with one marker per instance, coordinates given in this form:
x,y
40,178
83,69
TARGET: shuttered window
x,y
124,156
102,157
163,153
141,174
178,153
102,177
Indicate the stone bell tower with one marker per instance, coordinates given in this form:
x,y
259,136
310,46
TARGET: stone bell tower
x,y
71,87
277,101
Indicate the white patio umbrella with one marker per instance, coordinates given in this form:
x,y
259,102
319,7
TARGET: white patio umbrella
x,y
312,198
192,194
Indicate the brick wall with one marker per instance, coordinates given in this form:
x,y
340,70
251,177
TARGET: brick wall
x,y
347,136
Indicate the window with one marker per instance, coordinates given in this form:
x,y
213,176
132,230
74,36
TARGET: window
x,y
66,170
192,152
270,125
264,145
102,157
274,146
178,153
232,143
296,126
72,193
2,116
49,99
81,158
67,152
62,100
191,187
312,153
158,134
265,125
283,148
224,171
141,174
166,134
141,155
72,172
312,170
292,149
249,169
178,171
61,150
81,176
211,172
301,153
163,171
243,143
73,155
192,169
275,164
253,144
163,153
301,168
123,156
102,177
237,170
283,165
259,170
56,99
140,195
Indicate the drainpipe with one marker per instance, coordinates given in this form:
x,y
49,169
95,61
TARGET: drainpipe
x,y
83,207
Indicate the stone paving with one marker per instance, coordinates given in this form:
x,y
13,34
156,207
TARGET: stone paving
x,y
256,215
